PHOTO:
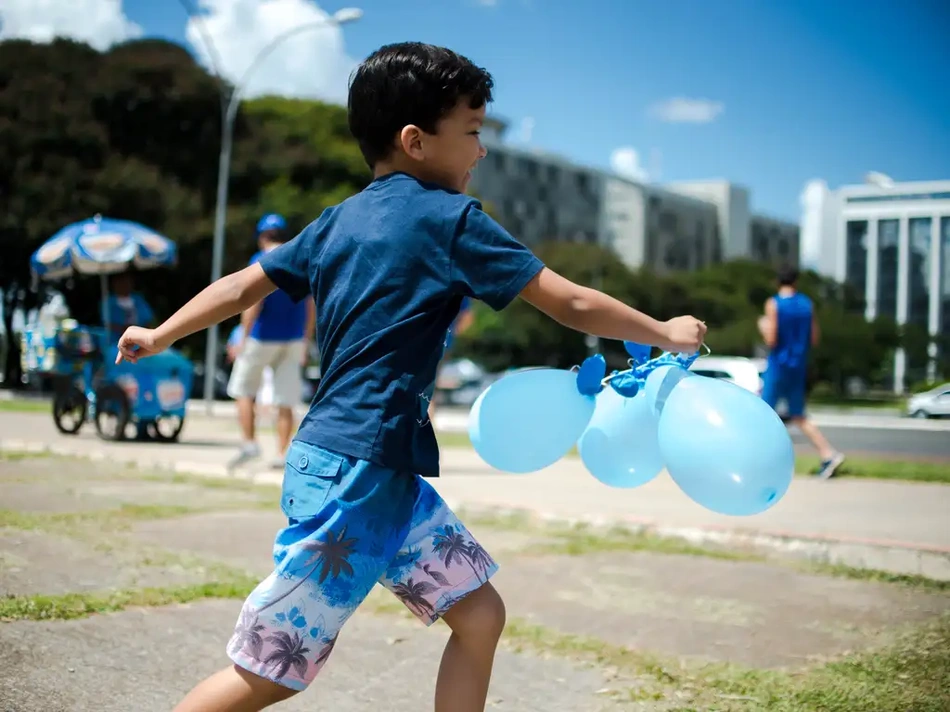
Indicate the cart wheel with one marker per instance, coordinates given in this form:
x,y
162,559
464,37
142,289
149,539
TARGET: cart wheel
x,y
112,412
69,409
166,428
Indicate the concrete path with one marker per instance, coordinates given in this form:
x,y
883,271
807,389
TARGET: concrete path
x,y
902,527
608,631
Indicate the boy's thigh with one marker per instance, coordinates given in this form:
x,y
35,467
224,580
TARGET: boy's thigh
x,y
440,562
346,521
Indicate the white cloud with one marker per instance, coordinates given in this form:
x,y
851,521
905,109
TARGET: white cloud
x,y
312,64
682,110
625,161
100,23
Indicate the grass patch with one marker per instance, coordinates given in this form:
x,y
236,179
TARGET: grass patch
x,y
883,469
81,605
906,470
873,575
18,456
912,673
269,494
22,405
583,539
113,519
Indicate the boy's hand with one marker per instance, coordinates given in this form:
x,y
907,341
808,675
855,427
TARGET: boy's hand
x,y
684,334
137,343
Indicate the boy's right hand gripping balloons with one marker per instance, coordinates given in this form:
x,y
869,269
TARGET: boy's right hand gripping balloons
x,y
723,445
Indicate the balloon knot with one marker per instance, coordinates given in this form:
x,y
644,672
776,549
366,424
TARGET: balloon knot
x,y
590,375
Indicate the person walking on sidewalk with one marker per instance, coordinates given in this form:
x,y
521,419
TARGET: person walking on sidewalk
x,y
789,329
275,333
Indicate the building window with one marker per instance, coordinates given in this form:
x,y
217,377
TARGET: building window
x,y
888,238
918,291
667,221
918,272
944,283
856,256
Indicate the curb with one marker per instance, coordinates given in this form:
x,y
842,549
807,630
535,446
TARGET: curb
x,y
901,558
895,557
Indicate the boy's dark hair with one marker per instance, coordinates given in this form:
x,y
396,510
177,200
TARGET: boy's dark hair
x,y
409,83
787,276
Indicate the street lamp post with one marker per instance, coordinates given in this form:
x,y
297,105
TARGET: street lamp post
x,y
228,116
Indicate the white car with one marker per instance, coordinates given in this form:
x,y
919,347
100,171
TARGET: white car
x,y
744,372
934,403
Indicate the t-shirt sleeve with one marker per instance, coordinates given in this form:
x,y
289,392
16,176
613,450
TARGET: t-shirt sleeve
x,y
487,263
288,266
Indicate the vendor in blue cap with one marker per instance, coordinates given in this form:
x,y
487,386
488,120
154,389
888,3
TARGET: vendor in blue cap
x,y
275,332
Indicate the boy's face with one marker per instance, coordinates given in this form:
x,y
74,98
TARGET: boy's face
x,y
449,156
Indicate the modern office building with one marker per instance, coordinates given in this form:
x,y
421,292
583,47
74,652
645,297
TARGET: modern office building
x,y
538,196
891,242
745,234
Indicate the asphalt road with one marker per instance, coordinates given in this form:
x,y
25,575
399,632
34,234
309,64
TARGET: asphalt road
x,y
869,434
932,445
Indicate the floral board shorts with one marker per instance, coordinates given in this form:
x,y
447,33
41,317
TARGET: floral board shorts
x,y
351,524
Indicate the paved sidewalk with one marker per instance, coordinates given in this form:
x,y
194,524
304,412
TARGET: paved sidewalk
x,y
896,526
120,587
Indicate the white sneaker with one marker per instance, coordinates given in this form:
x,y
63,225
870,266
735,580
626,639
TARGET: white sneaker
x,y
828,467
248,452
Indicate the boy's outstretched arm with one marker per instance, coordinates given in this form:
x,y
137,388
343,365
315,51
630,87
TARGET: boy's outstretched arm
x,y
593,312
215,303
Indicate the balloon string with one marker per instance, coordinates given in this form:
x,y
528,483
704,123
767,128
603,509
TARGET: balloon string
x,y
641,372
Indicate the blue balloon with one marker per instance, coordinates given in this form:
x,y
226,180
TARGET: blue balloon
x,y
724,446
659,384
640,353
529,419
620,446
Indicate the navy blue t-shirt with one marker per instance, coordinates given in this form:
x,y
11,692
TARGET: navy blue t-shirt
x,y
281,318
388,269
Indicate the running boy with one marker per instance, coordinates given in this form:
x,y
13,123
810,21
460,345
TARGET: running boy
x,y
388,269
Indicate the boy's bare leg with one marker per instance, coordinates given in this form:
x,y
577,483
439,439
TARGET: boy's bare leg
x,y
477,622
234,689
285,429
814,435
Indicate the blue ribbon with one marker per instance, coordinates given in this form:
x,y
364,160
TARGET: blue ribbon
x,y
591,380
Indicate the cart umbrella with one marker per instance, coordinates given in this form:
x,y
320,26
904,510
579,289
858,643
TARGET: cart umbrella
x,y
102,246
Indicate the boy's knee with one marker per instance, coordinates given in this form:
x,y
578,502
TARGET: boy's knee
x,y
480,615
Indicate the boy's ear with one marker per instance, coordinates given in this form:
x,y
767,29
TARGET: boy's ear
x,y
410,141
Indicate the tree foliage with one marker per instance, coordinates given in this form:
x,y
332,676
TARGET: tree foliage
x,y
729,297
134,133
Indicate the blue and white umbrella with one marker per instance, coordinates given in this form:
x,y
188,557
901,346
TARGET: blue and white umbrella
x,y
102,246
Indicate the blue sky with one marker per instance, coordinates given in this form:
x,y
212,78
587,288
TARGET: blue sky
x,y
795,89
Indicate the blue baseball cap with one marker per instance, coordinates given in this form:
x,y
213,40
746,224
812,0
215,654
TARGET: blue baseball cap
x,y
271,221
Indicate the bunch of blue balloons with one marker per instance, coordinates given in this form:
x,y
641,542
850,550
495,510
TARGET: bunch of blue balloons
x,y
722,445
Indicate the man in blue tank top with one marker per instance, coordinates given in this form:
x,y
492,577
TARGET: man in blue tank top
x,y
790,330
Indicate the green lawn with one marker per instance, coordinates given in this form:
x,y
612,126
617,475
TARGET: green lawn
x,y
24,406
